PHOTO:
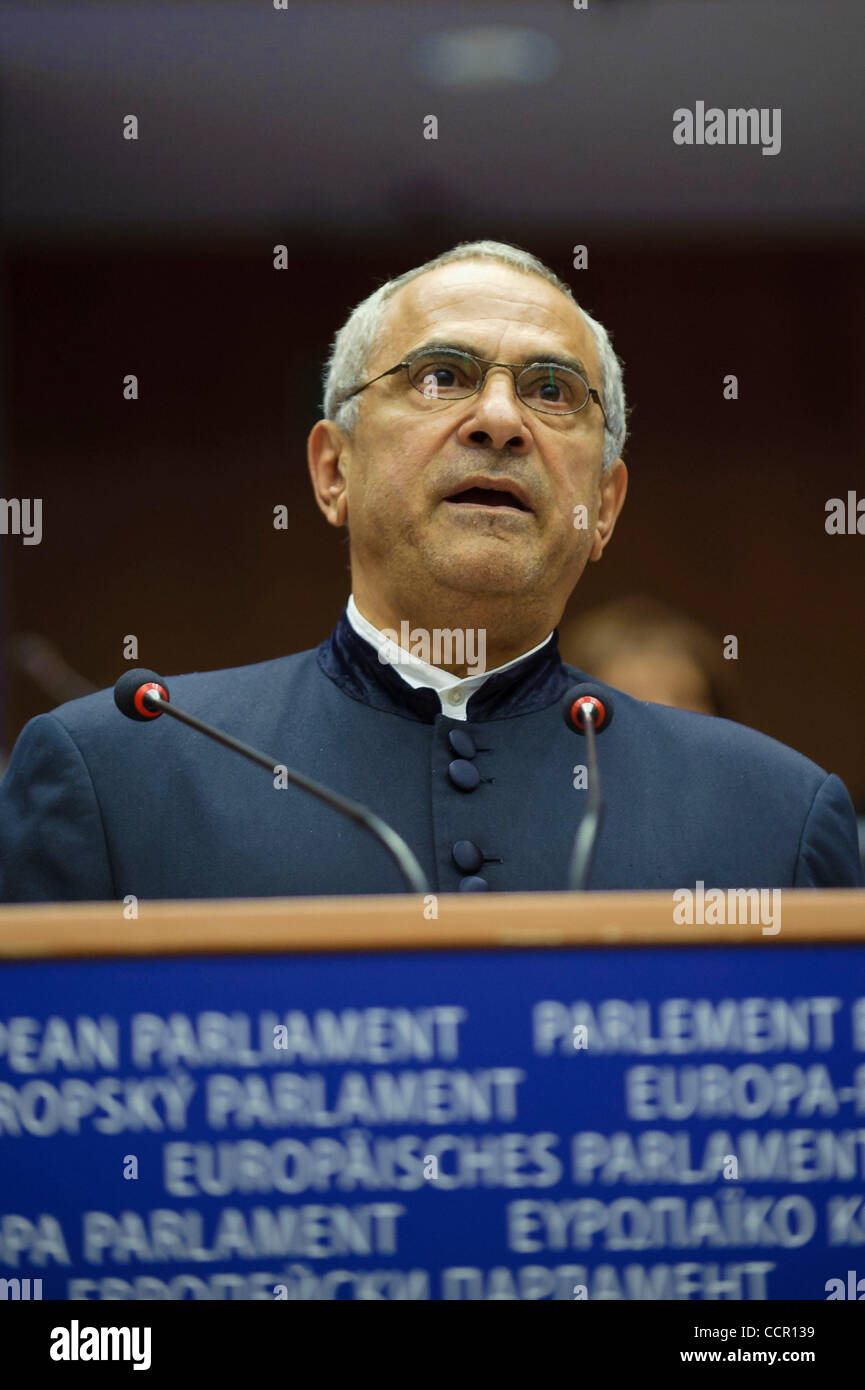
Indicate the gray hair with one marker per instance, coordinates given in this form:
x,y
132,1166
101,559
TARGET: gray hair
x,y
354,343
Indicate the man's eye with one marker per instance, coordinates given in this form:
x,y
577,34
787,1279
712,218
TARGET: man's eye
x,y
550,385
442,376
549,390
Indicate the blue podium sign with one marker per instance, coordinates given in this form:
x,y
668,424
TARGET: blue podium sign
x,y
682,1123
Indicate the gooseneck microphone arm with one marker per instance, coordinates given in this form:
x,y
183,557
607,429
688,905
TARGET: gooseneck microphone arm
x,y
586,837
586,712
142,695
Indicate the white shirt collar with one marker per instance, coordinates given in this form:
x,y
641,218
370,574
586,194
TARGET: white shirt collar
x,y
453,692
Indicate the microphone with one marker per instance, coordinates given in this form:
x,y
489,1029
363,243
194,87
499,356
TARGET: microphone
x,y
143,695
587,711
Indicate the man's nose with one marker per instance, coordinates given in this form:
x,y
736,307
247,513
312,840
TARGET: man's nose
x,y
496,417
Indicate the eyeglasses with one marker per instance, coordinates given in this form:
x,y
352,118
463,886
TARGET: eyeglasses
x,y
448,374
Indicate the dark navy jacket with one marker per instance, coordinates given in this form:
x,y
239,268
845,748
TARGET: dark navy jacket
x,y
94,806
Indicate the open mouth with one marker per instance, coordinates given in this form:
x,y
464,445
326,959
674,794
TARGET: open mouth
x,y
487,497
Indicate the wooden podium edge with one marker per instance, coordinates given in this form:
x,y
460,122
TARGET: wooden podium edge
x,y
397,923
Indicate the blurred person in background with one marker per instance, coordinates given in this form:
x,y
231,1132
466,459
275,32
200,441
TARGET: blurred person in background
x,y
648,649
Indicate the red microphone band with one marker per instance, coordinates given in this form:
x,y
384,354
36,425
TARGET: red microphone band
x,y
578,713
138,699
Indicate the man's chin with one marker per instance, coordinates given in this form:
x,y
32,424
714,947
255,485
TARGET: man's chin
x,y
486,569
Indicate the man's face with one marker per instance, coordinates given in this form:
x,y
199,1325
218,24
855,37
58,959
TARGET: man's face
x,y
408,455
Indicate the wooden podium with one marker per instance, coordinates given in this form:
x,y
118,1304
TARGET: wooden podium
x,y
398,922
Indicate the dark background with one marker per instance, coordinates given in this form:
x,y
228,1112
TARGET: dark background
x,y
304,127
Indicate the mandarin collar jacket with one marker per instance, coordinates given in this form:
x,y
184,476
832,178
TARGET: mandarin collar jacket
x,y
94,806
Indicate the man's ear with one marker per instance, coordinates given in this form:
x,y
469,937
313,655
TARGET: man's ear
x,y
614,487
325,451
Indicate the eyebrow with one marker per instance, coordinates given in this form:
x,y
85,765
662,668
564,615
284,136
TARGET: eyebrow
x,y
556,359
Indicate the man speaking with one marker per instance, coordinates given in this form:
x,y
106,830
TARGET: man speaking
x,y
474,422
